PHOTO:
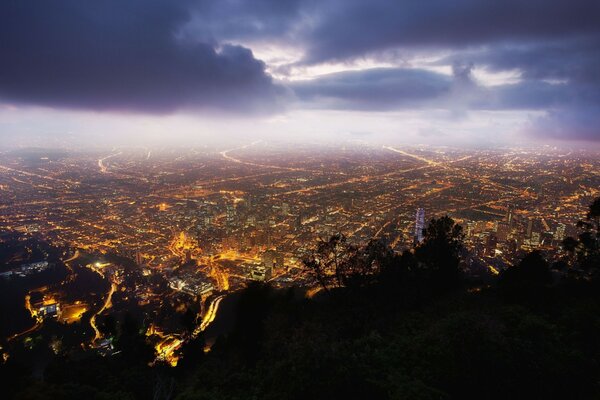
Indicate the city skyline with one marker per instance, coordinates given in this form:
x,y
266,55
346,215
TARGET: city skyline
x,y
299,199
170,226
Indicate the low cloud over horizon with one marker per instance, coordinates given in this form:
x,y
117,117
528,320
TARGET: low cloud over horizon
x,y
434,71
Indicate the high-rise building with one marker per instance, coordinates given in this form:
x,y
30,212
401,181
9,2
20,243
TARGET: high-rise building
x,y
559,234
231,213
492,242
502,231
419,225
268,258
470,229
261,273
139,258
535,239
510,214
298,222
529,228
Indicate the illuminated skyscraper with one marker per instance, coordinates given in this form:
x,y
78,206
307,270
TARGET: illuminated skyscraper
x,y
535,239
419,225
559,234
285,209
139,258
502,231
510,214
231,213
529,228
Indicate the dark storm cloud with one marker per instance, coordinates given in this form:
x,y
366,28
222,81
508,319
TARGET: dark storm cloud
x,y
581,123
273,20
348,28
575,59
554,44
160,55
408,88
373,89
343,29
122,55
381,89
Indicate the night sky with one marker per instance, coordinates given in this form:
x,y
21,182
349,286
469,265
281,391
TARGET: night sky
x,y
448,72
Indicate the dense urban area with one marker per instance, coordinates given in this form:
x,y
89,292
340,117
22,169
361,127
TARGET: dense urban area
x,y
169,239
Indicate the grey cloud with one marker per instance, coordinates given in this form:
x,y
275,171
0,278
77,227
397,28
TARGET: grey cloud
x,y
573,123
576,59
348,28
404,88
373,89
124,56
345,29
159,56
546,40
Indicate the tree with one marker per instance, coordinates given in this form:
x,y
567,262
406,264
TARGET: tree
x,y
587,245
331,260
108,327
189,318
367,263
336,263
570,244
438,255
132,342
594,214
532,270
249,332
191,353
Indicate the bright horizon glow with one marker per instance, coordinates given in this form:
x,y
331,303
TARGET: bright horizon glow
x,y
90,129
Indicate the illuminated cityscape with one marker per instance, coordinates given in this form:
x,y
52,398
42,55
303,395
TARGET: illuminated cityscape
x,y
297,199
200,224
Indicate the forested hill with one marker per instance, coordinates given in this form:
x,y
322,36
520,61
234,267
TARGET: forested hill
x,y
386,326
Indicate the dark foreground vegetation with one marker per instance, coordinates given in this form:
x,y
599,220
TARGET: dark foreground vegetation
x,y
385,326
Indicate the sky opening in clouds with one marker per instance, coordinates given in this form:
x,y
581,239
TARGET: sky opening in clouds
x,y
459,72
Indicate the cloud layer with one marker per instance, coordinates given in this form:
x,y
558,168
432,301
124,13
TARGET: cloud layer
x,y
160,56
125,56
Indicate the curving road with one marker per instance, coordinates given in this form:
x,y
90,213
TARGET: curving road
x,y
107,304
210,315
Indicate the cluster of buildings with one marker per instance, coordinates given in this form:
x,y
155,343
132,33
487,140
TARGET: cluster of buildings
x,y
499,243
191,285
200,222
26,269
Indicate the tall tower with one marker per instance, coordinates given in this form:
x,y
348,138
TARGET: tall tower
x,y
231,214
529,227
139,258
419,225
559,234
510,214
